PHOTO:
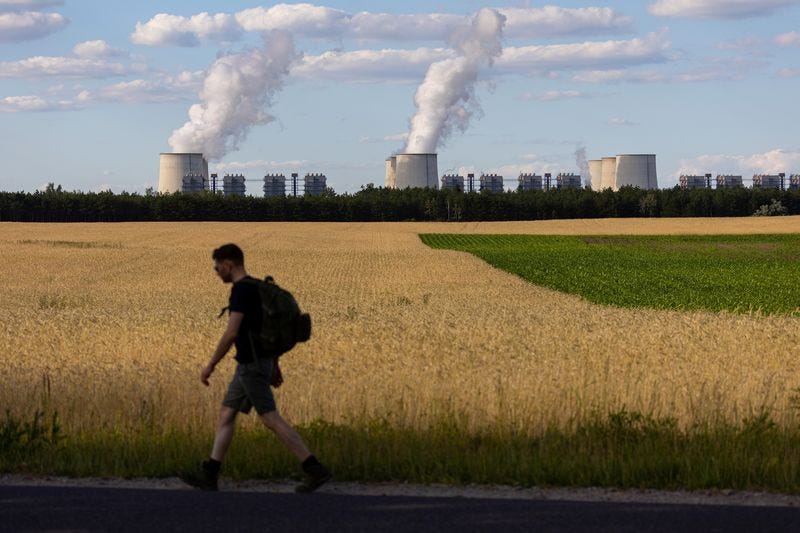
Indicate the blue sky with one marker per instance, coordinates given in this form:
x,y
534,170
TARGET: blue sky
x,y
91,91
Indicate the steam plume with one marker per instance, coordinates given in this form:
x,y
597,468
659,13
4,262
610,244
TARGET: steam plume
x,y
446,99
583,165
237,90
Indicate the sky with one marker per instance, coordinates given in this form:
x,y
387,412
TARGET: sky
x,y
91,91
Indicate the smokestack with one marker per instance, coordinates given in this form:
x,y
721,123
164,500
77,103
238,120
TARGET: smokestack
x,y
446,98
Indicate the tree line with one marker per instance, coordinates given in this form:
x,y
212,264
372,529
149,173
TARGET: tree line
x,y
378,204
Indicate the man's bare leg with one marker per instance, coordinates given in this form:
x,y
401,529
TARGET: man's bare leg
x,y
316,472
224,435
287,434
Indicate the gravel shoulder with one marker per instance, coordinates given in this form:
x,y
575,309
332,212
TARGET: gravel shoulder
x,y
592,494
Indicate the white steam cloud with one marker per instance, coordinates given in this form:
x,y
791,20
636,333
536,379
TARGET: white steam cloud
x,y
446,98
237,90
583,164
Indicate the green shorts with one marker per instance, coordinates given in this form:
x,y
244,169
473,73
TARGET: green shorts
x,y
250,387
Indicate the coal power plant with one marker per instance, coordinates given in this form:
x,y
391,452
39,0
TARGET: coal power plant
x,y
624,170
174,167
412,170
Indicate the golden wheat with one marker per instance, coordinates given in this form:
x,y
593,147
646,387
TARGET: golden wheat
x,y
110,324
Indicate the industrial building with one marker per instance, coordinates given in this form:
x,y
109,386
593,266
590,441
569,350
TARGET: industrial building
x,y
491,183
596,174
233,185
608,176
194,182
274,185
794,181
727,181
768,181
631,170
314,184
568,181
694,182
636,170
173,167
529,182
412,170
453,182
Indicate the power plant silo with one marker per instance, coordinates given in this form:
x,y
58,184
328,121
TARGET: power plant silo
x,y
608,173
596,173
636,170
174,167
414,170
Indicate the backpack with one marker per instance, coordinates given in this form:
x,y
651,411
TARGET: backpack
x,y
282,323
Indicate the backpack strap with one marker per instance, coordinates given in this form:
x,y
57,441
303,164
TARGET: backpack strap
x,y
249,280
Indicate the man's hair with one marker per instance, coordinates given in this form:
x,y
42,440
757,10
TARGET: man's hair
x,y
231,252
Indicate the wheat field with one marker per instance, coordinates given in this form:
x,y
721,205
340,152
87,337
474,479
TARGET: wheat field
x,y
110,325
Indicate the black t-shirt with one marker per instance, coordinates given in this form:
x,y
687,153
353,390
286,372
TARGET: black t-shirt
x,y
246,299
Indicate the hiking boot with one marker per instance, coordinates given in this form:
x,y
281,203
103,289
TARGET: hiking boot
x,y
316,475
203,479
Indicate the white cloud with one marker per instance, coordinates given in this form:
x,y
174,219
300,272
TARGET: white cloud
x,y
187,79
717,8
27,5
304,19
370,65
619,76
788,73
748,43
405,27
554,20
395,137
29,25
520,23
135,91
97,49
773,161
30,103
721,69
713,70
325,22
411,65
164,29
791,38
619,121
67,67
708,74
649,49
549,96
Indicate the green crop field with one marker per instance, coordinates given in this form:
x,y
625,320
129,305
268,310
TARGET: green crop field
x,y
739,273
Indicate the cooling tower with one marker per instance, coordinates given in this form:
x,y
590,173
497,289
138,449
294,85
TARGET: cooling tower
x,y
608,173
173,167
391,172
596,174
416,170
636,170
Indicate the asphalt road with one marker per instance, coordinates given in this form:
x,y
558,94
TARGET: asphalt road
x,y
79,509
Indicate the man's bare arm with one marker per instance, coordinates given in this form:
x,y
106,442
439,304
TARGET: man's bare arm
x,y
224,344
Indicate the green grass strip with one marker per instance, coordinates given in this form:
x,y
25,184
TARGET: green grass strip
x,y
622,449
738,273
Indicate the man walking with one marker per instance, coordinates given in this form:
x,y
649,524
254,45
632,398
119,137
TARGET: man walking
x,y
255,372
